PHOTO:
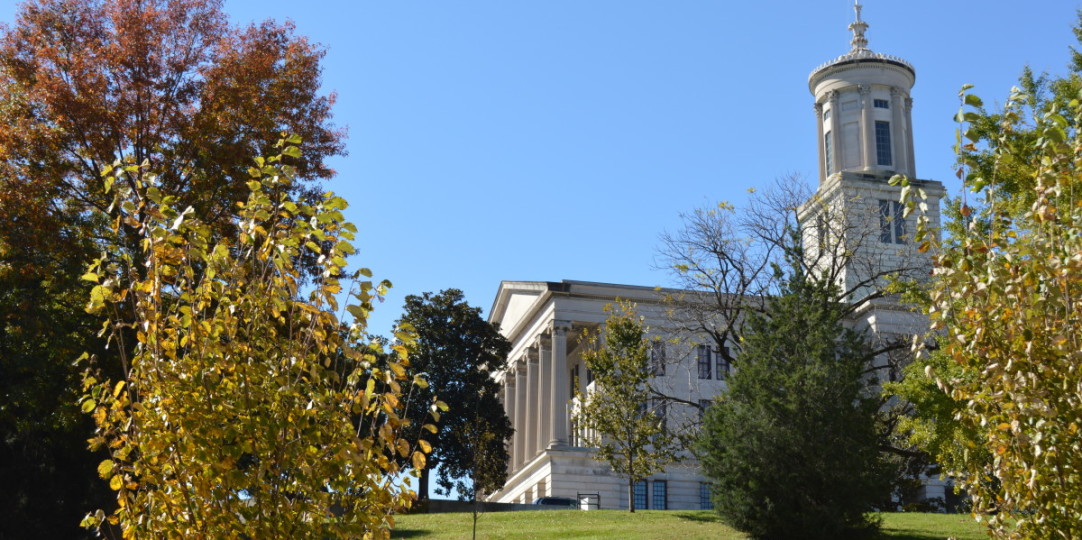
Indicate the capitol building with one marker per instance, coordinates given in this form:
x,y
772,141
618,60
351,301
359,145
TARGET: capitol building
x,y
862,109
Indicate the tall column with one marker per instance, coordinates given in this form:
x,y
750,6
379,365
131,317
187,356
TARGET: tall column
x,y
909,137
836,132
867,127
898,138
823,172
520,414
560,388
531,404
509,403
544,411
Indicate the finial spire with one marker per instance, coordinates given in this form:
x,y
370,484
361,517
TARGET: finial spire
x,y
858,27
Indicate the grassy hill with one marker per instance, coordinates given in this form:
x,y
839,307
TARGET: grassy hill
x,y
647,525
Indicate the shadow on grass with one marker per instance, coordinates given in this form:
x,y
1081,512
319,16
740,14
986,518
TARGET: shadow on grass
x,y
700,517
908,534
410,533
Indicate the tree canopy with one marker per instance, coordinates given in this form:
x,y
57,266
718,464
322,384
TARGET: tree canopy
x,y
246,408
84,83
635,445
459,352
997,403
792,447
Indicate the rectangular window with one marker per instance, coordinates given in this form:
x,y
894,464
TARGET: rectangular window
x,y
640,494
704,361
657,358
704,497
826,114
891,222
722,363
829,152
574,382
882,142
881,104
661,494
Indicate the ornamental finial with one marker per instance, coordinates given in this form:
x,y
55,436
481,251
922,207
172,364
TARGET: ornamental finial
x,y
858,27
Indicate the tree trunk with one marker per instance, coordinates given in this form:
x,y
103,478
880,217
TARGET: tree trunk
x,y
630,493
422,485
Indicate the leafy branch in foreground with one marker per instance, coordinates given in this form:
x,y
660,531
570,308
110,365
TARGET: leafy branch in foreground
x,y
247,408
1005,310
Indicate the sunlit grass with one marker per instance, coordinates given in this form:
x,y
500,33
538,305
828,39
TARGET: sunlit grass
x,y
647,525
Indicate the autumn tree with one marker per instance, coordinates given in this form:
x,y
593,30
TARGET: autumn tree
x,y
459,351
619,417
992,402
246,408
82,84
1004,306
792,447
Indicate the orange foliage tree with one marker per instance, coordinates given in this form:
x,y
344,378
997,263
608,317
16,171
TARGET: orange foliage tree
x,y
83,83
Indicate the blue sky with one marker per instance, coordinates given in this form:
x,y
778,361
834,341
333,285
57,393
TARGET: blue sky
x,y
546,140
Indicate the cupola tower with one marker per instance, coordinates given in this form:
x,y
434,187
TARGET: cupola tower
x,y
863,107
856,229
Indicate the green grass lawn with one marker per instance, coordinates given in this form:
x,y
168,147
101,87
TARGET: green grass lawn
x,y
647,525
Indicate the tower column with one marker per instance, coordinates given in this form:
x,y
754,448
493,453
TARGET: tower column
x,y
909,137
835,133
899,139
819,121
867,123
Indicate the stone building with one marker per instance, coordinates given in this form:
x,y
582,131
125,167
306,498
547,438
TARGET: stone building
x,y
865,136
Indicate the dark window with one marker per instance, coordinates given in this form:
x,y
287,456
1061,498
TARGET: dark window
x,y
574,380
722,363
704,361
891,222
657,358
829,151
881,104
640,494
882,142
661,495
704,497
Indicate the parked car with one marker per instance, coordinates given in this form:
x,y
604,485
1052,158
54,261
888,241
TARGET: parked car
x,y
557,501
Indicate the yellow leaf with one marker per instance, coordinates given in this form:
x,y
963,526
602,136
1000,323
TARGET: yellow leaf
x,y
105,468
89,405
418,460
116,482
425,447
403,447
430,427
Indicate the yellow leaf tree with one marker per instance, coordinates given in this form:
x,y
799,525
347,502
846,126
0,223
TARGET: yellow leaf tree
x,y
1006,303
247,409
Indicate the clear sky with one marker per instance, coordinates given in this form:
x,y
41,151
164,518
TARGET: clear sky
x,y
555,139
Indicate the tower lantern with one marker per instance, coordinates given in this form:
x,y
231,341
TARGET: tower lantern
x,y
862,107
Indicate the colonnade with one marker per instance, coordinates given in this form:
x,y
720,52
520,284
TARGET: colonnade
x,y
537,390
